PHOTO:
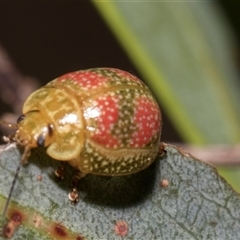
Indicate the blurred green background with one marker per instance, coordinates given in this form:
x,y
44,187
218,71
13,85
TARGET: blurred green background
x,y
187,52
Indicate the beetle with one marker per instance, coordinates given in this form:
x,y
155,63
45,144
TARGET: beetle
x,y
102,121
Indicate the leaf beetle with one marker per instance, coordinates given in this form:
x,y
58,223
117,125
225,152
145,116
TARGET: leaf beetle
x,y
101,121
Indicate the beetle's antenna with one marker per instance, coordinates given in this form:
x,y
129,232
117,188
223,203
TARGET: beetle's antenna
x,y
24,156
7,124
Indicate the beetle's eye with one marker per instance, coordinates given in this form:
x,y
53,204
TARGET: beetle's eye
x,y
41,141
20,118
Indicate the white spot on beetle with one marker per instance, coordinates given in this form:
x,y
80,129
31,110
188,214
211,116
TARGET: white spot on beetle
x,y
92,112
69,118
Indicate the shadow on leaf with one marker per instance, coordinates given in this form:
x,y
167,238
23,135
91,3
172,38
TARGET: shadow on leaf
x,y
119,191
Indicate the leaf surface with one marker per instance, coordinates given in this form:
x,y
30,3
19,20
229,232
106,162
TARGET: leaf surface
x,y
177,197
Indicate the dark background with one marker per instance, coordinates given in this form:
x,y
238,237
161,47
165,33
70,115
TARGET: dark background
x,y
47,39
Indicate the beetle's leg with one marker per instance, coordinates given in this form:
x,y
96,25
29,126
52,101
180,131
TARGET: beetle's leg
x,y
162,150
60,171
9,139
73,195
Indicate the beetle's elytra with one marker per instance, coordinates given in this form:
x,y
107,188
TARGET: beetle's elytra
x,y
102,121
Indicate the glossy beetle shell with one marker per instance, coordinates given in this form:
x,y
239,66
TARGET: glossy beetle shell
x,y
104,121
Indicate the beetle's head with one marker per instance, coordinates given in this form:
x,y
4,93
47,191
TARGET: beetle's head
x,y
33,130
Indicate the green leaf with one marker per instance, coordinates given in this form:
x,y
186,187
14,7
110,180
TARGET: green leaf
x,y
177,197
183,50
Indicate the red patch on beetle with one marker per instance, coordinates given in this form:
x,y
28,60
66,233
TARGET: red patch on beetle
x,y
121,228
86,79
109,111
147,120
